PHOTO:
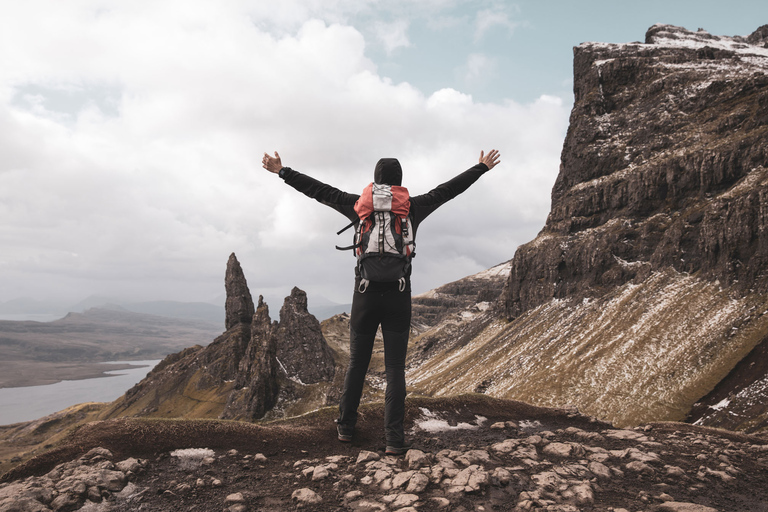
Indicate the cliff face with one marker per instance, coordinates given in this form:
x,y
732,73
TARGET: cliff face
x,y
662,167
479,290
648,283
254,367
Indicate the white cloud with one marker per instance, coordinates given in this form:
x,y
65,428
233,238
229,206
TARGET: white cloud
x,y
479,68
144,185
392,35
488,19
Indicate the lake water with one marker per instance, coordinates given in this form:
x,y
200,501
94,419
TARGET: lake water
x,y
33,402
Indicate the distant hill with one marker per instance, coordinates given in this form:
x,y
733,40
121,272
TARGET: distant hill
x,y
200,311
44,352
32,309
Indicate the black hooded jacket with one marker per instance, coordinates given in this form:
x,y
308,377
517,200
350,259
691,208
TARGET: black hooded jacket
x,y
386,172
421,206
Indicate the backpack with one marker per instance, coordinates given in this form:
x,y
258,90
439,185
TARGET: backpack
x,y
384,244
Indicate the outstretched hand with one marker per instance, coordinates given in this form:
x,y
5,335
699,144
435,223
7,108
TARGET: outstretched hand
x,y
272,164
491,159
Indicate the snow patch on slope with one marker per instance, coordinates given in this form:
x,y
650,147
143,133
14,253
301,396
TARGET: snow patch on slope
x,y
431,422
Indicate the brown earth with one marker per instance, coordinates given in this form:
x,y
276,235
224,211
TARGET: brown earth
x,y
292,445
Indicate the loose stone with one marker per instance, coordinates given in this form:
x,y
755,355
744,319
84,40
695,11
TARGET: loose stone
x,y
236,497
558,450
319,473
417,483
306,496
404,500
401,479
599,470
439,502
366,456
353,495
367,506
416,459
674,506
506,446
639,467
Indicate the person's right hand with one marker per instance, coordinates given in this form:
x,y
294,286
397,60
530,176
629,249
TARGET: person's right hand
x,y
272,164
491,159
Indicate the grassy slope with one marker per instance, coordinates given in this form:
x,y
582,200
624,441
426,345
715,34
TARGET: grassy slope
x,y
642,353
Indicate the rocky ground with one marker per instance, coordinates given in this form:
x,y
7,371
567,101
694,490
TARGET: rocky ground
x,y
469,453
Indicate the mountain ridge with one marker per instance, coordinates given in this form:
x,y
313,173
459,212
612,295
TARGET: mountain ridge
x,y
647,285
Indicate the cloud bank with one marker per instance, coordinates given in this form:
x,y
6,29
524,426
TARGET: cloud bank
x,y
131,137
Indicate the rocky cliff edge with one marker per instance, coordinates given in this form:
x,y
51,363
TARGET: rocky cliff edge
x,y
649,282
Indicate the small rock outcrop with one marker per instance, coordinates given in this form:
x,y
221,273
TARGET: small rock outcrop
x,y
759,37
90,480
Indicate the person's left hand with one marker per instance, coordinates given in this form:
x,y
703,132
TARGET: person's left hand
x,y
272,164
491,159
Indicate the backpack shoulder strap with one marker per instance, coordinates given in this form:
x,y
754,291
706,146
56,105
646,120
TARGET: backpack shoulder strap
x,y
363,208
401,201
364,204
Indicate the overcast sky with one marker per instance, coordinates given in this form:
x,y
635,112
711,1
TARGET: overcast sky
x,y
131,132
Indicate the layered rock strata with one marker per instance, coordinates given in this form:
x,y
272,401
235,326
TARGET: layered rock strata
x,y
481,290
649,282
662,168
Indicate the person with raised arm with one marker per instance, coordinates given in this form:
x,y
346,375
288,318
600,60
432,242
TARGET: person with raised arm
x,y
386,219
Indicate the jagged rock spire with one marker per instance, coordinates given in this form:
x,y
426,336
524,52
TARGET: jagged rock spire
x,y
256,386
247,371
289,353
302,350
239,306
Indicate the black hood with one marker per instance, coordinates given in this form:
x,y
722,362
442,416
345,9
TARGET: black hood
x,y
388,172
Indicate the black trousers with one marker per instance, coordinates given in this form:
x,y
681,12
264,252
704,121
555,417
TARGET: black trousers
x,y
392,310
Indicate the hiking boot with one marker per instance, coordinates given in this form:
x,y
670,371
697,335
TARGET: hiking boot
x,y
397,450
345,434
